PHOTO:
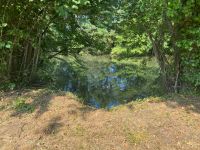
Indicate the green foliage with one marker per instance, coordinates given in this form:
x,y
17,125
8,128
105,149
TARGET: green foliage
x,y
21,106
33,32
119,52
49,29
7,86
169,28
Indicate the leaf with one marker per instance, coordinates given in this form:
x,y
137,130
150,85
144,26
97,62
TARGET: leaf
x,y
2,44
75,7
76,2
4,24
9,45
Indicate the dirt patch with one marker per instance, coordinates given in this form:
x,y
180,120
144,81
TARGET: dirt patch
x,y
59,121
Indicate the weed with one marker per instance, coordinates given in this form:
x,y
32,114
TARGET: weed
x,y
136,137
21,106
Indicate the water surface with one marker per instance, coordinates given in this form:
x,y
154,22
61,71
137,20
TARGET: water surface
x,y
102,83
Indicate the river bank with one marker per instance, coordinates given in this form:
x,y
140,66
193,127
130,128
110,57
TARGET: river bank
x,y
45,119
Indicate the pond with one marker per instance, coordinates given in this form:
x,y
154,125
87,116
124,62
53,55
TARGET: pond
x,y
103,83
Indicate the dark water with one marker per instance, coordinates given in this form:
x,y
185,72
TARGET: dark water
x,y
102,84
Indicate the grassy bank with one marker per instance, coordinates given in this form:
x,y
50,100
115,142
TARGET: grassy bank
x,y
44,119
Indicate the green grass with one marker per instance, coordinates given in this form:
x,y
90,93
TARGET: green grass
x,y
136,137
20,105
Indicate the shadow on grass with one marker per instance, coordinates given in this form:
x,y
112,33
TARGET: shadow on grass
x,y
40,102
188,102
85,110
82,111
53,126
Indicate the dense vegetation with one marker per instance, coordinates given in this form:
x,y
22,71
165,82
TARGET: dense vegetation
x,y
34,32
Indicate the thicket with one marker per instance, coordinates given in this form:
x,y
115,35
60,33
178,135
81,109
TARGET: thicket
x,y
33,32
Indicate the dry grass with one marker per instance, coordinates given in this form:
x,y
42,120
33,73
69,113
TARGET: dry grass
x,y
59,121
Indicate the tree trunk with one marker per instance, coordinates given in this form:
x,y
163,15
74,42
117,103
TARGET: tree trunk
x,y
161,59
176,55
11,70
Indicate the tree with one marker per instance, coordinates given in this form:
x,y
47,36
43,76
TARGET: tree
x,y
32,31
162,22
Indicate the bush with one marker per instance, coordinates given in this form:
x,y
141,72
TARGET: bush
x,y
119,52
5,86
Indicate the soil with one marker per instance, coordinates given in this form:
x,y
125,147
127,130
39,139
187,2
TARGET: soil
x,y
59,121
